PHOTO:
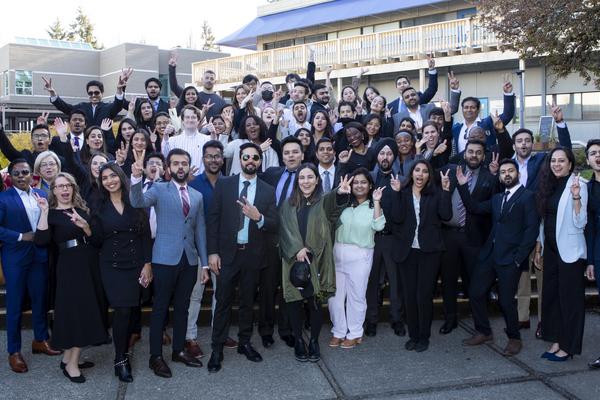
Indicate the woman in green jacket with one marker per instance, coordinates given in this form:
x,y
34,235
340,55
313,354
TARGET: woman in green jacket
x,y
306,236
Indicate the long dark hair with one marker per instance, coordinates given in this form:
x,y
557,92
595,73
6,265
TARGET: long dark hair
x,y
371,117
236,105
548,182
366,102
86,152
311,150
328,132
137,113
365,172
119,138
181,103
262,135
149,148
297,199
431,182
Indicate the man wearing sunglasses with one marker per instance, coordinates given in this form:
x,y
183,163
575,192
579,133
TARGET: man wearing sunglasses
x,y
24,264
242,212
40,142
95,109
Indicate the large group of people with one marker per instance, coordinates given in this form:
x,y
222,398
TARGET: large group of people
x,y
295,201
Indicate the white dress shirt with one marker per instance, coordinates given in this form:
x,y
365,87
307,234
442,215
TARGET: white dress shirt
x,y
31,208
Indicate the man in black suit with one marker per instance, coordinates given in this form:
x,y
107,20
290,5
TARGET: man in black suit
x,y
282,180
75,136
466,232
242,212
383,259
95,110
515,225
153,87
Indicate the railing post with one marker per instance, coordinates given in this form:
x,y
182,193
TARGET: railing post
x,y
469,33
244,65
377,46
219,77
339,51
304,57
421,40
272,59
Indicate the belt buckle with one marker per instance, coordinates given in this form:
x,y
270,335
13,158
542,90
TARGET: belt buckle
x,y
241,246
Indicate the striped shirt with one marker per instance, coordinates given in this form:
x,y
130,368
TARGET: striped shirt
x,y
190,143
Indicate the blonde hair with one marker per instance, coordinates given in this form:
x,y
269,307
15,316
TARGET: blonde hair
x,y
77,200
41,157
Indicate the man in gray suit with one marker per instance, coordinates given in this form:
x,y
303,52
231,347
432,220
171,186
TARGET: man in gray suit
x,y
419,113
180,242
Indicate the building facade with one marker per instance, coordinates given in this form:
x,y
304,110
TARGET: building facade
x,y
392,38
71,65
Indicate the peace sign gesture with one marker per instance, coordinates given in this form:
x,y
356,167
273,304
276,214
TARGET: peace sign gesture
x,y
137,168
48,86
453,81
41,202
494,164
206,107
395,183
377,193
121,153
430,61
42,119
461,178
445,180
557,113
345,187
388,112
575,188
498,124
78,220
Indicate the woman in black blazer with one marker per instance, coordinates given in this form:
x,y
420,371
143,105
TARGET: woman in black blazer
x,y
123,235
419,210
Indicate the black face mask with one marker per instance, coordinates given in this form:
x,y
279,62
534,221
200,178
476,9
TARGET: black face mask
x,y
344,121
267,95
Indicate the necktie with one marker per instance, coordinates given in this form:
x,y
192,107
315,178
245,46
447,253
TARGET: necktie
x,y
504,200
243,193
185,201
326,182
148,184
155,105
462,211
284,191
76,140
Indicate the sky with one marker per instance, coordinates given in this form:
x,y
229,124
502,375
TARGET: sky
x,y
117,22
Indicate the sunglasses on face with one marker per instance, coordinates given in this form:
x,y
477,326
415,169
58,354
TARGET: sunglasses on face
x,y
24,172
94,93
246,157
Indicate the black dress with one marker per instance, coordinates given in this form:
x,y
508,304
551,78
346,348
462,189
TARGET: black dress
x,y
77,311
125,246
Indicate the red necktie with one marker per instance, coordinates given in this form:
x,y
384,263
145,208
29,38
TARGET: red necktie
x,y
185,201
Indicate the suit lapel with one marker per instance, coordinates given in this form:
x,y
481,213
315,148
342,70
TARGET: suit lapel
x,y
22,214
513,199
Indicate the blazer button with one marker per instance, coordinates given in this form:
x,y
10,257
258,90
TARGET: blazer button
x,y
114,265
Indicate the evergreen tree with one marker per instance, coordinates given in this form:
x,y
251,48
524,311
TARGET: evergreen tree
x,y
208,39
82,30
56,31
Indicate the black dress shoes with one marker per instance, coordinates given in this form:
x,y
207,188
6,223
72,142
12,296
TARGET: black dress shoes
x,y
267,341
214,364
74,379
314,351
159,366
399,329
300,350
370,329
410,345
83,365
448,327
595,364
187,359
289,340
422,345
123,370
251,354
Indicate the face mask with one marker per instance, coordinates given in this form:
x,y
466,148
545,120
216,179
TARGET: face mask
x,y
267,95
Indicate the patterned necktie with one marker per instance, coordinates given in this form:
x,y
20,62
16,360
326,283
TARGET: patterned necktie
x,y
185,201
243,194
76,140
326,182
462,211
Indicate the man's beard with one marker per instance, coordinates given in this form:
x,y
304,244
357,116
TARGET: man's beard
x,y
249,169
179,180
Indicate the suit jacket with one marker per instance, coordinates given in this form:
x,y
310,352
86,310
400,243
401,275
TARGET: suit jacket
x,y
425,97
477,226
175,233
13,222
514,227
570,238
224,219
592,229
435,207
103,110
488,124
162,105
425,109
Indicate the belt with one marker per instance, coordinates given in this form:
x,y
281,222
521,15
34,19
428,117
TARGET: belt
x,y
242,246
72,243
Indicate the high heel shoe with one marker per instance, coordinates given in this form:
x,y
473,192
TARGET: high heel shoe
x,y
554,357
548,354
74,379
123,370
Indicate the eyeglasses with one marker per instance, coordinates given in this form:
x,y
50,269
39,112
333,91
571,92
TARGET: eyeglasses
x,y
246,157
154,163
63,186
214,157
23,172
94,93
40,136
48,164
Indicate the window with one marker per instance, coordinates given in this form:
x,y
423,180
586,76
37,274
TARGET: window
x,y
315,38
23,83
390,26
165,89
590,106
5,81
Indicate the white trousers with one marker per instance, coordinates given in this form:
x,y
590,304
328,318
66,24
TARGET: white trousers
x,y
349,305
195,304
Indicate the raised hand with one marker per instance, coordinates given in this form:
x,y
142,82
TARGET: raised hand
x,y
453,81
249,210
123,78
137,168
388,112
345,185
447,110
329,70
173,59
461,178
557,113
359,106
41,202
107,124
169,129
431,61
575,187
48,86
77,219
333,117
61,129
498,124
266,145
494,164
395,183
121,154
42,119
445,180
377,193
344,156
507,87
441,148
131,106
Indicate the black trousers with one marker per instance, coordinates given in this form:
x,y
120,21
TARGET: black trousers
x,y
315,315
270,295
383,261
121,331
242,272
176,281
563,302
458,254
484,276
419,273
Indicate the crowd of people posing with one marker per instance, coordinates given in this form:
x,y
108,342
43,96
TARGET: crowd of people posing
x,y
296,202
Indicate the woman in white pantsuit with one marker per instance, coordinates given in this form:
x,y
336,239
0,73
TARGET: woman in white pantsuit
x,y
353,255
